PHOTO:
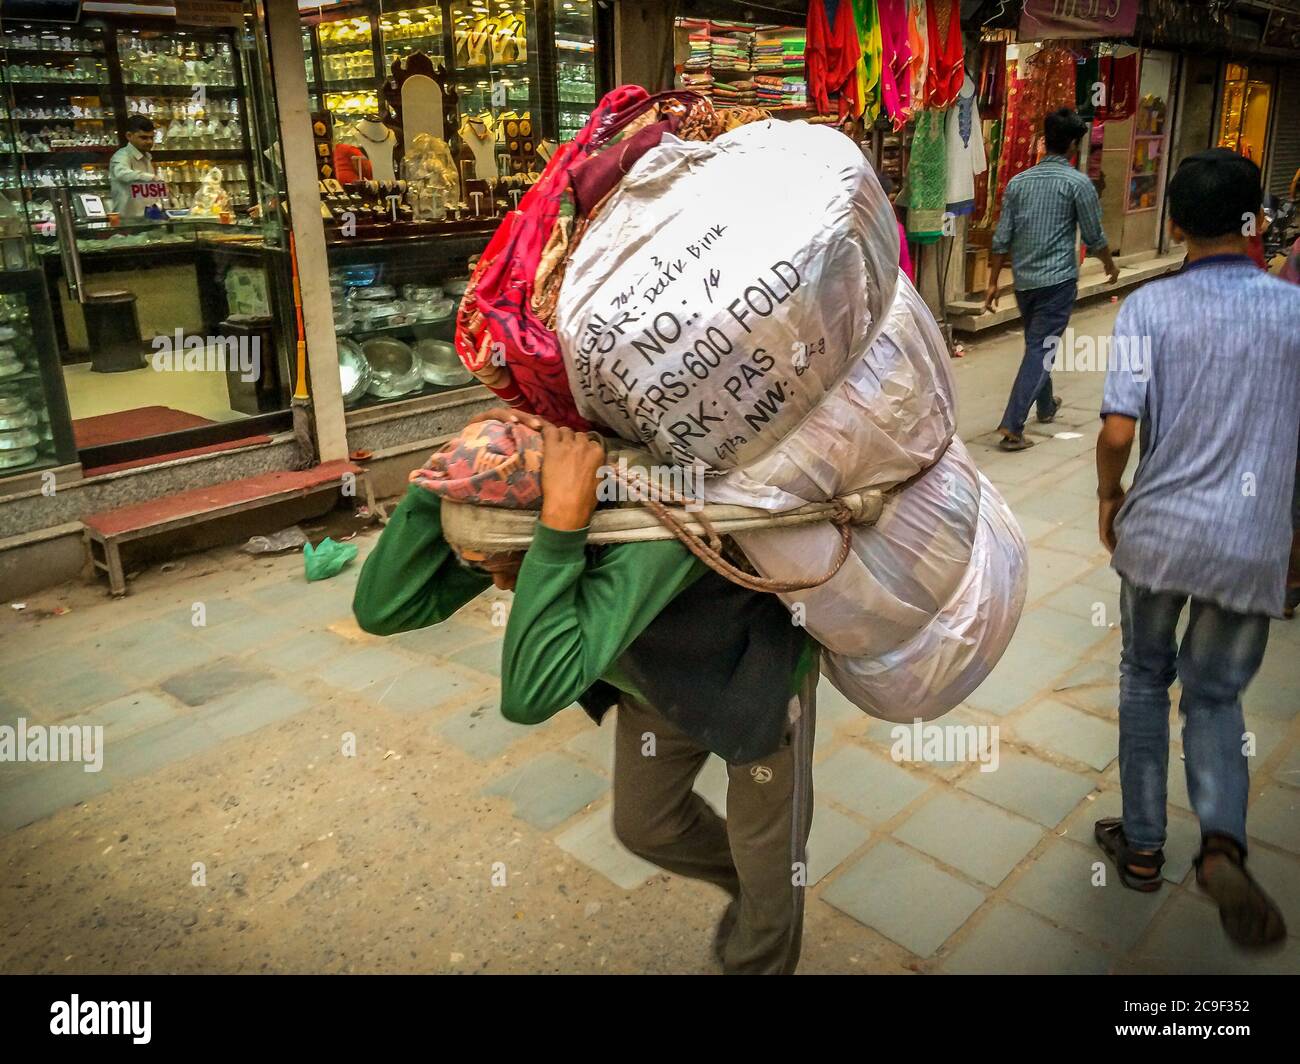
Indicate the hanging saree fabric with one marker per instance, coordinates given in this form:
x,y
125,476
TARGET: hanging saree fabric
x,y
895,77
832,57
943,23
918,41
927,178
1119,80
992,76
868,26
1042,83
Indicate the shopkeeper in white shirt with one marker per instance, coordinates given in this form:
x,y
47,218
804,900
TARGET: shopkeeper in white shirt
x,y
132,182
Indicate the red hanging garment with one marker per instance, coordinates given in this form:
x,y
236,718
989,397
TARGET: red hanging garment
x,y
943,20
831,53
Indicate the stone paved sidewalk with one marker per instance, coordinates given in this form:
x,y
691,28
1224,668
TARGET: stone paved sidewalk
x,y
228,832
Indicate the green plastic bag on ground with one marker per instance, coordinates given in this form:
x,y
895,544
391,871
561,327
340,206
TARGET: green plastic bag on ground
x,y
327,558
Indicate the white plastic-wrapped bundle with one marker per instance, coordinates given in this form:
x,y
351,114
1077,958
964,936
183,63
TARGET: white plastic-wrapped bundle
x,y
902,570
950,657
889,419
725,288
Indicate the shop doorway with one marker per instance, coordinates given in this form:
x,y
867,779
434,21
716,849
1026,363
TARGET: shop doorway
x,y
143,163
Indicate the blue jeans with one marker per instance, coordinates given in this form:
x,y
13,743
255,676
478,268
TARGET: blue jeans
x,y
1219,655
1045,313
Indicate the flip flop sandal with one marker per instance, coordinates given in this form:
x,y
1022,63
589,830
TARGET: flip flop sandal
x,y
1248,915
1015,443
1110,837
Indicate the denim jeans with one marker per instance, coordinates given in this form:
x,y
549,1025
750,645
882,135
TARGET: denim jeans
x,y
1045,312
1219,655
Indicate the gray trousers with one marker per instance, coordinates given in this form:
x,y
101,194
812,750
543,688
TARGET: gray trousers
x,y
756,855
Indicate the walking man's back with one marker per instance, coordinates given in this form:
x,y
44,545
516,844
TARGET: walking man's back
x,y
1043,208
1208,364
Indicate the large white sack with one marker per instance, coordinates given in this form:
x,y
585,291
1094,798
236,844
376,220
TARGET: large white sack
x,y
951,656
902,570
886,422
725,288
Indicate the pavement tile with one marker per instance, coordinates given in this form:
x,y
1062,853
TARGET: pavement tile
x,y
711,784
1058,884
241,712
969,835
481,731
428,688
834,837
595,743
904,897
1027,668
1050,569
176,652
833,708
1272,695
1188,940
155,748
1080,600
485,656
1073,635
304,654
257,631
593,842
1030,787
71,692
207,682
217,611
1274,816
1068,732
51,787
871,786
440,639
549,789
367,670
129,714
1010,941
972,747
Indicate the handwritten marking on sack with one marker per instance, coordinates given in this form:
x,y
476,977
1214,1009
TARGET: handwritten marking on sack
x,y
646,366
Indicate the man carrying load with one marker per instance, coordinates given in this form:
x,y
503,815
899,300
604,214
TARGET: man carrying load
x,y
695,663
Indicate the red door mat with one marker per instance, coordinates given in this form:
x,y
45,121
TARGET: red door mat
x,y
141,422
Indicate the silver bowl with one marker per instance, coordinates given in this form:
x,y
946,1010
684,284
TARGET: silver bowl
x,y
440,363
17,441
354,371
395,369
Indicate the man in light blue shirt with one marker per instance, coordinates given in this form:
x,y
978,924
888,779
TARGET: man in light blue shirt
x,y
1040,212
1207,365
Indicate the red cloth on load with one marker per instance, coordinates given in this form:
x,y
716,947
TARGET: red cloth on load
x,y
495,324
831,53
895,58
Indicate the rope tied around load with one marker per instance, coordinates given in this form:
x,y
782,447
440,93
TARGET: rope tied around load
x,y
848,511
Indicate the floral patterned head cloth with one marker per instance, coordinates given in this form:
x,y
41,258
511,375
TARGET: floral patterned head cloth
x,y
491,463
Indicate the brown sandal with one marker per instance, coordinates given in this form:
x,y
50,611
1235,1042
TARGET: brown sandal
x,y
1248,915
1137,871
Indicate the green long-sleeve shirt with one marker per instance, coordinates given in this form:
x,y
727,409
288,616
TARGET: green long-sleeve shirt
x,y
573,614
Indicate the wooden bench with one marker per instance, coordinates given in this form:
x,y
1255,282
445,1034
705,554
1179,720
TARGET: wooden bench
x,y
106,532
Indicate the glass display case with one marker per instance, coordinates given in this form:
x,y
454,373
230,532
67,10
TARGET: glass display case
x,y
1150,134
35,427
473,95
1243,125
576,75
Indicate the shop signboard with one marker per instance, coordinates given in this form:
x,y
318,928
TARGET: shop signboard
x,y
210,13
1055,19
